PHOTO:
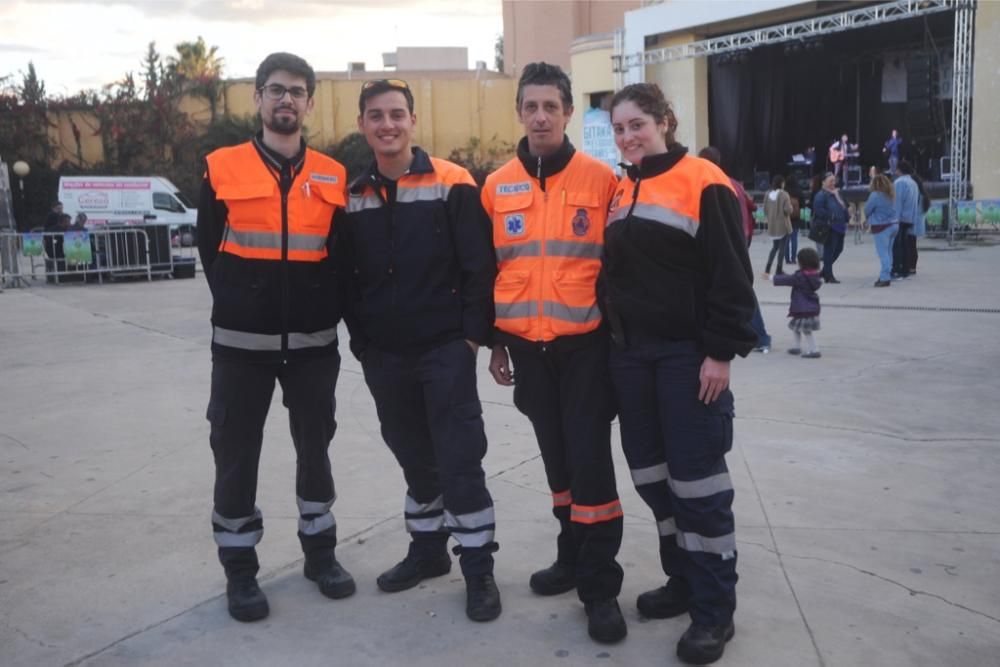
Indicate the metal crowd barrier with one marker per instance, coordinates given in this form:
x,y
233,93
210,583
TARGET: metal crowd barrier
x,y
75,256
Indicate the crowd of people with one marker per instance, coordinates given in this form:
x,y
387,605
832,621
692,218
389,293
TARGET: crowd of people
x,y
597,297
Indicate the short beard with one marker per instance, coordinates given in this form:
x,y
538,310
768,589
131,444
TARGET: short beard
x,y
282,126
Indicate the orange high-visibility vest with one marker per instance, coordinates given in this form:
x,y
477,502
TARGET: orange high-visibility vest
x,y
252,195
548,246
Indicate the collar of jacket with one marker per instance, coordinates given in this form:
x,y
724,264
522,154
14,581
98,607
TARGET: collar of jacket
x,y
654,165
277,160
551,165
421,165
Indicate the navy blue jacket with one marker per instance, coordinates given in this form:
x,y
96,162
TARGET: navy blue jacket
x,y
417,257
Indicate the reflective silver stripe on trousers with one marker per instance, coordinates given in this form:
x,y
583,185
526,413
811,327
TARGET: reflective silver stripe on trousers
x,y
723,545
664,216
273,240
516,309
528,249
357,203
701,488
238,539
413,507
666,527
431,524
260,342
650,475
575,314
573,249
233,525
318,525
422,193
479,523
312,507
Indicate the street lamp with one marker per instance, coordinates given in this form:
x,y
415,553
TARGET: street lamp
x,y
21,170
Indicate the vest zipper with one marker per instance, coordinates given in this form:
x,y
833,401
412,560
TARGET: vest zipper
x,y
286,184
541,255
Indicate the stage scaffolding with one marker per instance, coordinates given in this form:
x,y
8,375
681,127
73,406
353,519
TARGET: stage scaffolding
x,y
864,17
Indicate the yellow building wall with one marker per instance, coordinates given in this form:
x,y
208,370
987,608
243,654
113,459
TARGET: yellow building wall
x,y
61,136
685,85
449,111
985,131
592,73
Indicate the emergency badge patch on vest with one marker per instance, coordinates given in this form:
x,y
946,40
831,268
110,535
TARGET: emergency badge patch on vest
x,y
324,178
581,222
513,188
514,224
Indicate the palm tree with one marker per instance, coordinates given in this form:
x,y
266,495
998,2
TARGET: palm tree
x,y
199,69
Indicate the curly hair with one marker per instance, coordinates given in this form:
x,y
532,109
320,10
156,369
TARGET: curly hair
x,y
649,98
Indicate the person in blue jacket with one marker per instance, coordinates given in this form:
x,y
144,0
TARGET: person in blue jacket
x,y
828,205
880,212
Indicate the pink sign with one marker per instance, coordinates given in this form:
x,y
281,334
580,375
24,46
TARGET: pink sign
x,y
106,185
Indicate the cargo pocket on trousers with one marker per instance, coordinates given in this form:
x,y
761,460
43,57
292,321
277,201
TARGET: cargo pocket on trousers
x,y
721,415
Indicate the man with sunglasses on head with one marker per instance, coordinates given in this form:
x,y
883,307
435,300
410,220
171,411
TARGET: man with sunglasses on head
x,y
265,236
416,247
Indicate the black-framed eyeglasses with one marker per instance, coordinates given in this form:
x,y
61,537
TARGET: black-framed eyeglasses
x,y
275,91
392,83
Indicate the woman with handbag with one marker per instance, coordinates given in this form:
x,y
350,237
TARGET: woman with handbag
x,y
830,212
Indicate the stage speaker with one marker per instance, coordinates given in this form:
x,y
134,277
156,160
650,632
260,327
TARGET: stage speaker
x,y
762,180
945,171
853,176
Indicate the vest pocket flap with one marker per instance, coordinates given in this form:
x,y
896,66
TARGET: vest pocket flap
x,y
234,191
330,193
582,199
512,202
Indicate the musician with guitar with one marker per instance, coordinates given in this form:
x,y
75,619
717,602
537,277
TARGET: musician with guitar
x,y
841,152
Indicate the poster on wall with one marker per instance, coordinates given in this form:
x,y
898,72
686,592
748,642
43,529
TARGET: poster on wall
x,y
598,139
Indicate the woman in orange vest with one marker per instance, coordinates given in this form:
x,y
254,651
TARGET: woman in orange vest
x,y
678,294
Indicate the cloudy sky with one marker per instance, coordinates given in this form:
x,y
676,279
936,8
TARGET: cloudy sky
x,y
78,44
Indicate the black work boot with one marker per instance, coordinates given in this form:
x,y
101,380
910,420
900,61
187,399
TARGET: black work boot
x,y
703,644
605,622
482,598
553,580
330,576
666,601
246,601
417,566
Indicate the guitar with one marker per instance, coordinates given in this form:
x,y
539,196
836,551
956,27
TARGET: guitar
x,y
837,154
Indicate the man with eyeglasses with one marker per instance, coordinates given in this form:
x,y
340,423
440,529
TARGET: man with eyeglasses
x,y
265,236
416,245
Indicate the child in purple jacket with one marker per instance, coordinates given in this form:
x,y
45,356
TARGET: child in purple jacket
x,y
804,309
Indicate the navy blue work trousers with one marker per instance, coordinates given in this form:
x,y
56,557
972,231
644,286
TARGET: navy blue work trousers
x,y
565,391
431,418
675,446
237,409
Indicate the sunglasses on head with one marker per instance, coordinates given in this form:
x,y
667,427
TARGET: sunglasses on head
x,y
392,83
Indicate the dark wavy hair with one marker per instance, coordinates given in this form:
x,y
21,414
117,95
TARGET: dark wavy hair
x,y
649,98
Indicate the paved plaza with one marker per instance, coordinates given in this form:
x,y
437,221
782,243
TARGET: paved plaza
x,y
866,495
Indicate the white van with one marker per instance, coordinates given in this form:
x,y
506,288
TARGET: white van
x,y
129,200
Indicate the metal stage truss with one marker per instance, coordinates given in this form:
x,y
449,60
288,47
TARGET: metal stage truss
x,y
864,17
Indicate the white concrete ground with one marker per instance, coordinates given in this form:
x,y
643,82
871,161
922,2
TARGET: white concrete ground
x,y
866,497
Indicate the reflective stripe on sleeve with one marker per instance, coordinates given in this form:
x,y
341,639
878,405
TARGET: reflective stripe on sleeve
x,y
595,513
573,249
650,475
575,314
562,498
529,249
617,214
